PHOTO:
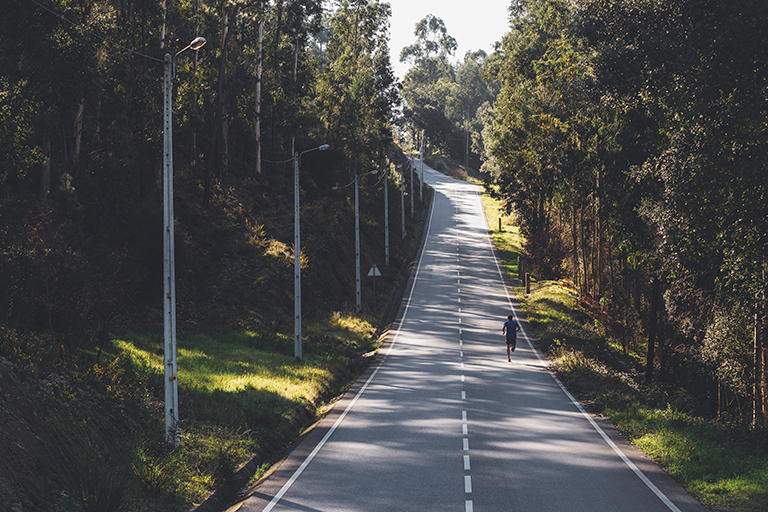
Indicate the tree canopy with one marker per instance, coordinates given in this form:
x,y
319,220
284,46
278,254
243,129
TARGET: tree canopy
x,y
630,138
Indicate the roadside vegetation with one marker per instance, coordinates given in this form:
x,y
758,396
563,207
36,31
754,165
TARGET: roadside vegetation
x,y
721,462
627,138
81,238
243,399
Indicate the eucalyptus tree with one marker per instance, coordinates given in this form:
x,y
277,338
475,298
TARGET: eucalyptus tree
x,y
356,91
469,93
533,138
429,83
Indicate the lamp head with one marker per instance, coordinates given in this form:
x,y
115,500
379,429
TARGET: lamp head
x,y
197,43
323,147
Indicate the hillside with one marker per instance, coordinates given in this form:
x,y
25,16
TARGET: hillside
x,y
80,418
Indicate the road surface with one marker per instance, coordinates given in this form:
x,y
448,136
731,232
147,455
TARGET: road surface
x,y
443,422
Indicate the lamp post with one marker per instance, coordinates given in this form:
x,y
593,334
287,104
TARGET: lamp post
x,y
169,271
421,161
421,180
410,165
386,224
358,293
402,199
297,252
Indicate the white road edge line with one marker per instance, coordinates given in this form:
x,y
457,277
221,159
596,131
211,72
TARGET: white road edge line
x,y
328,434
671,506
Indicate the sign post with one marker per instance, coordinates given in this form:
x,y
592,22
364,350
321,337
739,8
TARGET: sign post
x,y
374,272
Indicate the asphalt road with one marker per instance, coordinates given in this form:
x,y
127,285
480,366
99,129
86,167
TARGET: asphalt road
x,y
443,422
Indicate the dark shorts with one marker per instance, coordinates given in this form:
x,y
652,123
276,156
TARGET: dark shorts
x,y
511,341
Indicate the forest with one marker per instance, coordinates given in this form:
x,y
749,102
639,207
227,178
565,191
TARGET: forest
x,y
81,132
81,233
627,138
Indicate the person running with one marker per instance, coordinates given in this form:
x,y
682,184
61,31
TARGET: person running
x,y
510,333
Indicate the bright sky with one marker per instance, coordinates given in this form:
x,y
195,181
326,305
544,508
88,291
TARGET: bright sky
x,y
475,24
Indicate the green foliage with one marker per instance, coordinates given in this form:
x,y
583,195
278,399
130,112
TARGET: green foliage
x,y
432,40
721,463
629,139
81,130
442,99
101,492
356,91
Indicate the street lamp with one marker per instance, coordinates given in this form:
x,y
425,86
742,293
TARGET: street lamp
x,y
297,252
386,222
410,165
421,162
358,299
169,271
402,198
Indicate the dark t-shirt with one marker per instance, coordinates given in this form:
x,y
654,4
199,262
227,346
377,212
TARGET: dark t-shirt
x,y
511,326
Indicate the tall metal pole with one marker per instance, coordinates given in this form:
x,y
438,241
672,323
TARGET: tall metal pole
x,y
421,181
171,386
296,261
386,222
297,252
358,299
412,193
402,199
169,272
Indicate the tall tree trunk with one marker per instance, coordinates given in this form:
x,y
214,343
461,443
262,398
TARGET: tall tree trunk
x,y
466,136
758,417
229,21
162,30
575,252
257,118
276,66
217,152
757,409
584,253
45,170
661,345
599,235
652,330
77,135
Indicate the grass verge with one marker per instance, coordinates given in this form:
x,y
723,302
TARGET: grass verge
x,y
239,394
723,465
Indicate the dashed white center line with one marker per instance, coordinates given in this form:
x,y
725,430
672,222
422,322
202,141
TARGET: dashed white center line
x,y
468,505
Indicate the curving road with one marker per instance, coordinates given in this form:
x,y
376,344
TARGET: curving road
x,y
444,423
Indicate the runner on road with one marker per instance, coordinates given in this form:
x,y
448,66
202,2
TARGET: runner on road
x,y
510,332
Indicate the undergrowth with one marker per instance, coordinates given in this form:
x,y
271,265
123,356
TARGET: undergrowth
x,y
723,464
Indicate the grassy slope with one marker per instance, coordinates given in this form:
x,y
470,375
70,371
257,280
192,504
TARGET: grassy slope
x,y
724,466
241,394
243,398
